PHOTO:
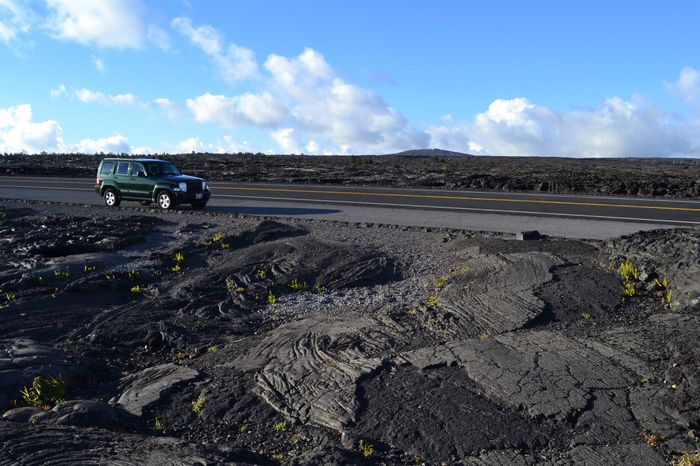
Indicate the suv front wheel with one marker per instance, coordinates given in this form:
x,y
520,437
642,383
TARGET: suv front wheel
x,y
111,198
165,200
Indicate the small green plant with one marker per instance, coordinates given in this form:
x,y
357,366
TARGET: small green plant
x,y
261,274
629,289
230,284
318,288
212,349
89,268
651,439
667,297
175,268
178,257
61,274
3,217
225,245
243,428
158,426
586,316
663,284
136,289
271,299
110,277
366,450
218,237
133,275
280,426
687,459
298,286
9,297
628,271
197,405
440,282
432,301
44,393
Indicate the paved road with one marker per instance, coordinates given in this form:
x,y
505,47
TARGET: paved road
x,y
571,216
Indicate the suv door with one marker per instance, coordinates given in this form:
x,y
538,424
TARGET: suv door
x,y
141,185
122,178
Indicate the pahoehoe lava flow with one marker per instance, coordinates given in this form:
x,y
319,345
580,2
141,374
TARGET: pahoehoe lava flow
x,y
138,337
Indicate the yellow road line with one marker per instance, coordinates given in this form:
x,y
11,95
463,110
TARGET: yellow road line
x,y
460,198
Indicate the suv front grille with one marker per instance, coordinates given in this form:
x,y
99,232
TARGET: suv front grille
x,y
194,186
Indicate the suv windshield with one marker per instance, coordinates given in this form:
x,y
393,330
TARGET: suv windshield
x,y
161,169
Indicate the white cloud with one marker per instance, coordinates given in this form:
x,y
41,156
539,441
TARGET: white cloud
x,y
159,38
116,144
287,140
687,87
304,93
58,92
335,112
99,64
227,145
87,96
616,128
143,150
233,62
247,109
105,23
171,109
14,20
190,145
18,133
313,148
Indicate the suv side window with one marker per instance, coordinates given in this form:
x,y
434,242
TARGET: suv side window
x,y
106,168
123,168
137,168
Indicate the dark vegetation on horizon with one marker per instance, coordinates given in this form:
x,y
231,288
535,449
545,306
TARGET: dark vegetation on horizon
x,y
678,178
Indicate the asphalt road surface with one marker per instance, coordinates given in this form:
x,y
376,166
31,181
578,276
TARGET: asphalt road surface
x,y
573,216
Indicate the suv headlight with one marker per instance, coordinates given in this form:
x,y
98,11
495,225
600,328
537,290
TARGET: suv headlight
x,y
181,187
205,186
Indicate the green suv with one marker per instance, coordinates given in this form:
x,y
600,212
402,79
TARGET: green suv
x,y
149,180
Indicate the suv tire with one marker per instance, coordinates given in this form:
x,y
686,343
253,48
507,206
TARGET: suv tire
x,y
165,200
111,198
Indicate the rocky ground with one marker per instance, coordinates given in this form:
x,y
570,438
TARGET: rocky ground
x,y
677,178
133,336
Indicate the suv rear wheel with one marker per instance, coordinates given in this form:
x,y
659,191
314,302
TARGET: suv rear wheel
x,y
111,198
165,200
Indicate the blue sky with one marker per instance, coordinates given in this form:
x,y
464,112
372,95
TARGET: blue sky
x,y
575,78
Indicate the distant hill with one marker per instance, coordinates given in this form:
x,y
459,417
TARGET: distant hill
x,y
431,153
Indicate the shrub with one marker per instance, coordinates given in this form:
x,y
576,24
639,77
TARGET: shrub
x,y
280,426
298,286
197,405
45,392
628,271
688,459
366,450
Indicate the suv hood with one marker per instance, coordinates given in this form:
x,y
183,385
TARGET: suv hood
x,y
181,178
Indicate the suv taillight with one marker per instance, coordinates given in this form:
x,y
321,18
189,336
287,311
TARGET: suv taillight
x,y
98,181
